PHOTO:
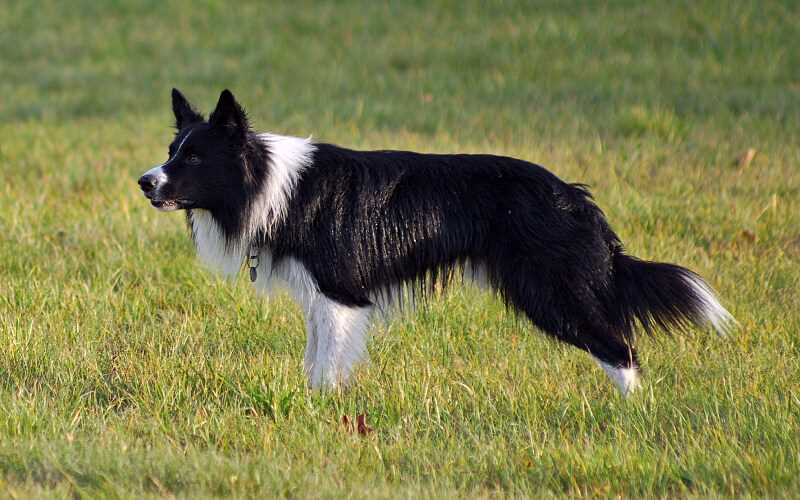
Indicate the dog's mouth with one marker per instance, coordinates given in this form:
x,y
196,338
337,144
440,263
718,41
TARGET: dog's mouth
x,y
167,204
170,205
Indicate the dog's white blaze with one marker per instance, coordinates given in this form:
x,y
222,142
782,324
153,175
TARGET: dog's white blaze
x,y
183,141
211,245
626,379
714,313
288,157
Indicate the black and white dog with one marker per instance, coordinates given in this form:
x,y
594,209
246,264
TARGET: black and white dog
x,y
349,231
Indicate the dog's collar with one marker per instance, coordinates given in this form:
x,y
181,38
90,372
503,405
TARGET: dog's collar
x,y
252,262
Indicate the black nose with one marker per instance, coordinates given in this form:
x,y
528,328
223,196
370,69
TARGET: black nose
x,y
147,182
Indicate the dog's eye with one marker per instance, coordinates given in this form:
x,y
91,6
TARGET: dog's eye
x,y
193,160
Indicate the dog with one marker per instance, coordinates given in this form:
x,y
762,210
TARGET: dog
x,y
351,232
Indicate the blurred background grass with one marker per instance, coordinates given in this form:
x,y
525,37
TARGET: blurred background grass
x,y
126,370
425,67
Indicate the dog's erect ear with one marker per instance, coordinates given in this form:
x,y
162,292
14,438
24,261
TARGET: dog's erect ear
x,y
184,113
229,115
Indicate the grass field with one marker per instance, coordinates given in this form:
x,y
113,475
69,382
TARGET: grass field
x,y
127,371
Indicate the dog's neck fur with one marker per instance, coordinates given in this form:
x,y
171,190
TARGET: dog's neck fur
x,y
223,237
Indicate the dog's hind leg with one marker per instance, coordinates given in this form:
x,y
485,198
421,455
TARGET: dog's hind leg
x,y
616,355
625,377
575,318
618,359
337,341
613,353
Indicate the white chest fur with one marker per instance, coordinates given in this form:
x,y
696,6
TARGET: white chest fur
x,y
213,250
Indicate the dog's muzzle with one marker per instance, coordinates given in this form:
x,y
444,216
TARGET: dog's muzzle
x,y
152,180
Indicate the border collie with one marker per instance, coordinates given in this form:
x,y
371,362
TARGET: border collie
x,y
352,231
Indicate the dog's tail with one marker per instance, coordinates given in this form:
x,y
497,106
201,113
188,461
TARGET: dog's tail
x,y
665,296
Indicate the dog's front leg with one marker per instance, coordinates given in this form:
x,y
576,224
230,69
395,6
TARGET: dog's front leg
x,y
337,341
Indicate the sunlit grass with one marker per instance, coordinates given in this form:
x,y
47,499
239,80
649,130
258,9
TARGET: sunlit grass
x,y
126,370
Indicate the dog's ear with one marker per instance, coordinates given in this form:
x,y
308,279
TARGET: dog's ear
x,y
230,116
184,113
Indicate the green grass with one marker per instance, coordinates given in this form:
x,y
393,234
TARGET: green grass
x,y
126,370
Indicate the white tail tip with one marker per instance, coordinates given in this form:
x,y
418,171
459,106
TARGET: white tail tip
x,y
714,314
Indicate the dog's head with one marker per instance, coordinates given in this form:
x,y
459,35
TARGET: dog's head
x,y
207,163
